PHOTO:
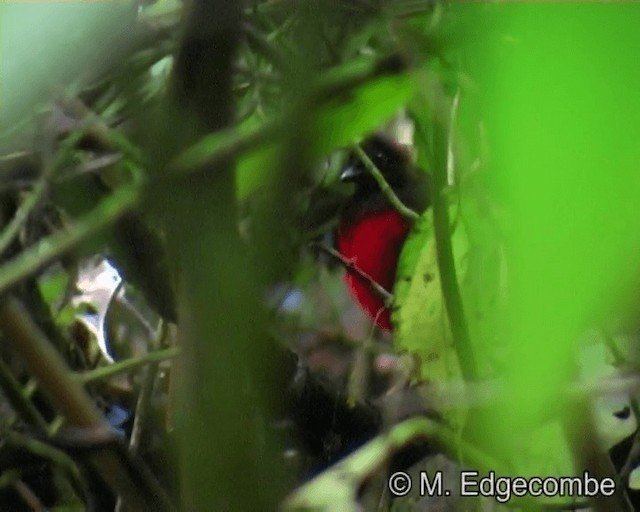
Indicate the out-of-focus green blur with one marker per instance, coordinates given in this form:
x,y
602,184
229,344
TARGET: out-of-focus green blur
x,y
556,87
46,45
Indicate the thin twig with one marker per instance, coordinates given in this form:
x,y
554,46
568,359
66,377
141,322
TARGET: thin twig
x,y
127,365
39,190
139,489
28,496
386,189
360,466
22,213
93,126
19,402
47,250
260,45
350,266
495,392
49,452
146,390
451,158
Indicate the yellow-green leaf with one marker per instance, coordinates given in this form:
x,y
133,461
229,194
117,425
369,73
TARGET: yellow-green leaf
x,y
422,327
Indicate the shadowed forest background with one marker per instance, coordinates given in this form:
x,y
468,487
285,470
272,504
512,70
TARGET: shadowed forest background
x,y
175,330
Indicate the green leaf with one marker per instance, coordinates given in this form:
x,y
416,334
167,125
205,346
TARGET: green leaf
x,y
255,169
348,117
634,479
337,122
419,315
53,286
347,103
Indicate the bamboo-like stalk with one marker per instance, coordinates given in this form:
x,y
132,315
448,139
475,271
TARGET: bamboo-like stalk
x,y
139,491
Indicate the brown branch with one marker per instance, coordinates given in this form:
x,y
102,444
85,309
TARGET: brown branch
x,y
350,266
28,496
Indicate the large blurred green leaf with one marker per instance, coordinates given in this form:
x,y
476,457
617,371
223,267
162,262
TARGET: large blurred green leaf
x,y
342,120
337,122
45,45
555,86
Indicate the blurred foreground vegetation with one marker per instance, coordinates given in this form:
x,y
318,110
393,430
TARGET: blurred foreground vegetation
x,y
172,340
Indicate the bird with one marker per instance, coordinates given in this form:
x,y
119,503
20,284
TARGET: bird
x,y
371,232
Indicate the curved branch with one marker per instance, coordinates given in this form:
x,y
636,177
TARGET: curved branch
x,y
386,189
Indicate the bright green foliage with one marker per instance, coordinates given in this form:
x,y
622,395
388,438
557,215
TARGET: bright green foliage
x,y
338,121
344,119
557,99
542,212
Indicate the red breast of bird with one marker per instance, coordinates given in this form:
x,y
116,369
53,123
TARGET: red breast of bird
x,y
371,233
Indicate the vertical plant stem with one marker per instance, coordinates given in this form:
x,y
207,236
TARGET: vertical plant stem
x,y
224,455
444,249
